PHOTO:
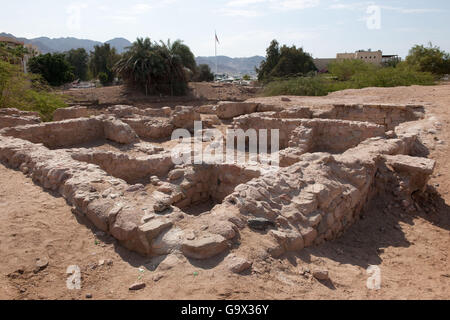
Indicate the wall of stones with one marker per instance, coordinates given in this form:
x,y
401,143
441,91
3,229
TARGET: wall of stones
x,y
60,134
200,183
126,167
333,136
318,198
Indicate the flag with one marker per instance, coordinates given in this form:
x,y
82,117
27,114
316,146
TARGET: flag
x,y
217,39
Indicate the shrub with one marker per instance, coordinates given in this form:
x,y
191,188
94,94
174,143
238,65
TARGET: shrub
x,y
104,78
322,85
26,92
346,69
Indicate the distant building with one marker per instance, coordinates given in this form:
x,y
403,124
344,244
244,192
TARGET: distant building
x,y
31,50
370,56
374,57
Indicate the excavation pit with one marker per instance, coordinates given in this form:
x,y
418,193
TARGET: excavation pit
x,y
332,163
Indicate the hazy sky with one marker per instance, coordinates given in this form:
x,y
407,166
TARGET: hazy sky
x,y
244,27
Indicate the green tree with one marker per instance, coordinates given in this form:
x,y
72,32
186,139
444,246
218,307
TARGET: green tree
x,y
246,77
272,58
203,74
156,68
102,60
285,61
184,52
78,59
429,59
54,68
344,70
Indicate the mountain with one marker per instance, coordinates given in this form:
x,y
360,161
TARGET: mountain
x,y
232,66
47,45
120,44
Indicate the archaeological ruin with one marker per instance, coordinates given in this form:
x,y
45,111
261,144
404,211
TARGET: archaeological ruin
x,y
115,167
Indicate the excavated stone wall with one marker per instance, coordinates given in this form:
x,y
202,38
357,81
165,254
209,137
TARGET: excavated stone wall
x,y
13,118
326,135
332,169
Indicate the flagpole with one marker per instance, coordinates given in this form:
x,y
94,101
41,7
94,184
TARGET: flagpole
x,y
215,43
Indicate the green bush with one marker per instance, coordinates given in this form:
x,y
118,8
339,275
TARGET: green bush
x,y
104,78
322,85
304,86
392,77
346,69
27,92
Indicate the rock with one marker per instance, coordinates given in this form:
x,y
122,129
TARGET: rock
x,y
176,174
260,224
229,110
163,202
223,228
155,227
168,242
184,117
157,277
135,187
169,262
41,264
237,264
321,274
284,99
137,286
154,180
118,131
204,248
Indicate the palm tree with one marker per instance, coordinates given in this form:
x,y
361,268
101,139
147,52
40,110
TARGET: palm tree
x,y
153,67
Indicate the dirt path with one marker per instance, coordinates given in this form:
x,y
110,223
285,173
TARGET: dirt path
x,y
410,249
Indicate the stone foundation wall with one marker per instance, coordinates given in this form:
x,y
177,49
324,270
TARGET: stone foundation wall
x,y
126,167
328,135
14,117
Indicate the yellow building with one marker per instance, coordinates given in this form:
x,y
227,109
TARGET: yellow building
x,y
374,57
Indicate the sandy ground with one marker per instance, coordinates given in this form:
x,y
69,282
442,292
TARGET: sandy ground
x,y
199,93
411,250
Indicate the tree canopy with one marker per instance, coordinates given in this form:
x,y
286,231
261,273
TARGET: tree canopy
x,y
203,74
78,59
429,59
102,60
154,67
54,68
285,61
